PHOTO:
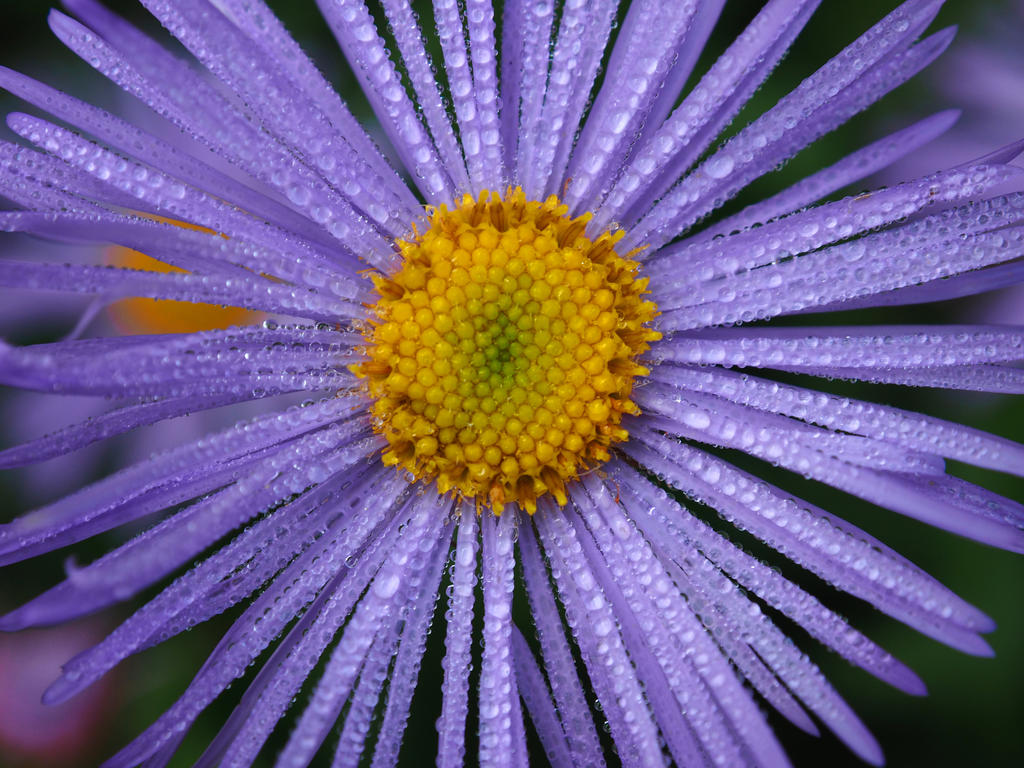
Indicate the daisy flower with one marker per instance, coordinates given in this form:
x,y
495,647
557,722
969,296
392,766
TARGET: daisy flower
x,y
538,362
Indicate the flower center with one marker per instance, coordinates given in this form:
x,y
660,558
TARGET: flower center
x,y
501,355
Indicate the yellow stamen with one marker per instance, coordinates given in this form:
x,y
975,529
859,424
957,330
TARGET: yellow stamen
x,y
500,356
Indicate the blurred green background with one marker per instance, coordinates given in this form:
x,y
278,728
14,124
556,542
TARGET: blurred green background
x,y
974,712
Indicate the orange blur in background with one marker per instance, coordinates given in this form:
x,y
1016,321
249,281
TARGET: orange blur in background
x,y
139,316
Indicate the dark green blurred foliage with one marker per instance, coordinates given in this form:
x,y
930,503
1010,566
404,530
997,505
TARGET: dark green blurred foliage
x,y
975,706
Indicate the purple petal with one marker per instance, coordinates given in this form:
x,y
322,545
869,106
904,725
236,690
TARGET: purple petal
x,y
190,599
597,633
498,694
34,180
483,56
111,282
706,110
637,572
680,535
836,221
156,192
178,472
525,57
979,378
150,149
410,43
404,675
822,543
163,548
207,116
903,346
686,53
291,119
869,474
570,699
852,168
353,27
775,438
175,245
539,703
229,576
671,684
583,34
404,568
823,101
458,70
339,587
260,25
642,57
116,422
451,726
911,430
874,264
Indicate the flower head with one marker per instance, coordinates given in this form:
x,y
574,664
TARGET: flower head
x,y
533,352
502,354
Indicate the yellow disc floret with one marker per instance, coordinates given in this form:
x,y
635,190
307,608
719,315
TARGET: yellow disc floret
x,y
501,355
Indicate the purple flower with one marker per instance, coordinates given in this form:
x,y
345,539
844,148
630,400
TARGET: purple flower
x,y
536,374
